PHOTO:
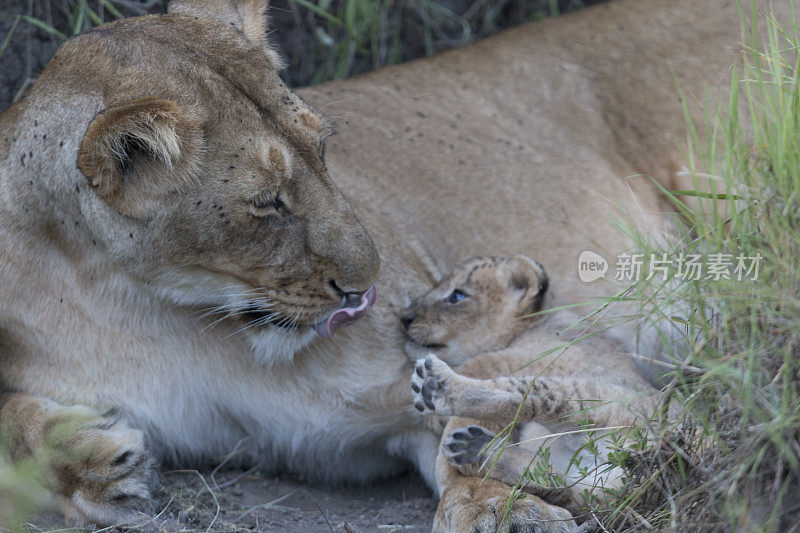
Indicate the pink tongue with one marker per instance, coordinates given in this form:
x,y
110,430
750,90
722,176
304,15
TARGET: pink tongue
x,y
345,315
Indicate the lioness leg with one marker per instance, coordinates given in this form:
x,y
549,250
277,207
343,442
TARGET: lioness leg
x,y
438,389
476,451
96,467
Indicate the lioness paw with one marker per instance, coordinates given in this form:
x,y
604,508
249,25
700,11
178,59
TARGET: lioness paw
x,y
468,446
430,384
483,508
102,472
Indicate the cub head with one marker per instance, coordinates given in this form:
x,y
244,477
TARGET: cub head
x,y
478,307
200,173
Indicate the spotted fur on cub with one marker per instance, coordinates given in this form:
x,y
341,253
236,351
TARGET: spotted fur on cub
x,y
487,305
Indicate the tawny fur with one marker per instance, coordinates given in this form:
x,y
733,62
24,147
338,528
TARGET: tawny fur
x,y
519,143
543,371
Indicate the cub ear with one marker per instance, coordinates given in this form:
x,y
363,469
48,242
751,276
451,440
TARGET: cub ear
x,y
526,278
145,146
247,16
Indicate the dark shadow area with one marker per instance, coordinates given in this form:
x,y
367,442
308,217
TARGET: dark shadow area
x,y
346,37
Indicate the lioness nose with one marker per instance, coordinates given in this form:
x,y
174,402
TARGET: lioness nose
x,y
358,269
354,257
339,237
349,296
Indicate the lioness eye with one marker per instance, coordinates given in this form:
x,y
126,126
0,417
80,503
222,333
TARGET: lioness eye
x,y
455,297
266,203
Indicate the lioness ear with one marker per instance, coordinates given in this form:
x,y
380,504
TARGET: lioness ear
x,y
247,16
526,278
147,145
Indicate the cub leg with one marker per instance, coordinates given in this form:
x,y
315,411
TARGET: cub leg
x,y
475,451
96,467
440,390
469,503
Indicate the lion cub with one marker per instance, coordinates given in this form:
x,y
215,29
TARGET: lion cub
x,y
480,306
478,317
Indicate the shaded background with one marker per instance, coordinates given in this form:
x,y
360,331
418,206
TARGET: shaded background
x,y
320,39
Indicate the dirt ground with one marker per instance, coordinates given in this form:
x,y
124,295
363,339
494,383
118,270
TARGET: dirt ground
x,y
246,501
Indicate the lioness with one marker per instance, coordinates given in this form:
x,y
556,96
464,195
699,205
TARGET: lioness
x,y
171,234
483,308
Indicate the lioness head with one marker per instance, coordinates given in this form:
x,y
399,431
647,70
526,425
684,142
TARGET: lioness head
x,y
201,173
478,307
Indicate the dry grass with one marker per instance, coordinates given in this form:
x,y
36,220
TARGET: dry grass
x,y
733,462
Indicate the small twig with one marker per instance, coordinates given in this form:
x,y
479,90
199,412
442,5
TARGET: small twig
x,y
225,461
600,524
216,501
325,516
234,480
269,505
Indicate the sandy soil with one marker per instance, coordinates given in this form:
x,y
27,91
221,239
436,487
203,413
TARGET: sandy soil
x,y
246,501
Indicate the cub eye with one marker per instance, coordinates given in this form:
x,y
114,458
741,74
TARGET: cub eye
x,y
455,297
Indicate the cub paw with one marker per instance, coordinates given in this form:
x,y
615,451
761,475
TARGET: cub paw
x,y
99,467
430,385
468,446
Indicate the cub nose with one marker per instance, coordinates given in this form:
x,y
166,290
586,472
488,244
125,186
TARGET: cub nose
x,y
406,320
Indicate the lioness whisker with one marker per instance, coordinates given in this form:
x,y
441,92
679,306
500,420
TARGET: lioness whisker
x,y
240,308
259,322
